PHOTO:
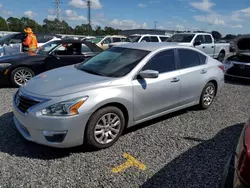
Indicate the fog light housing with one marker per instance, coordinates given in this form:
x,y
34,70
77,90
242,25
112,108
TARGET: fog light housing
x,y
55,136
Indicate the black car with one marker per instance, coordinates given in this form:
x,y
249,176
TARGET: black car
x,y
237,170
19,68
238,65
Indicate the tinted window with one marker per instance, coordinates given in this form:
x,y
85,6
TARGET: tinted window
x,y
116,40
147,39
188,58
199,38
162,62
154,39
69,49
44,38
203,58
163,38
208,39
85,48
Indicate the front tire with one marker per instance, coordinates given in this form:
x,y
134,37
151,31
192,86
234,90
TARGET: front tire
x,y
20,76
104,127
207,96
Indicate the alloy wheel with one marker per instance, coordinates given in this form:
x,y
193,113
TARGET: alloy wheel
x,y
208,95
107,128
22,76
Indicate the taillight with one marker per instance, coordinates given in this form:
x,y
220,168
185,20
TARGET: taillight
x,y
222,67
244,158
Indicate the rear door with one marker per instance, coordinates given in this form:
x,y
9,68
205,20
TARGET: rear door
x,y
64,55
193,71
153,96
209,45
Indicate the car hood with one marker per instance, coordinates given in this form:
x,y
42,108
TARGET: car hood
x,y
242,44
20,56
64,81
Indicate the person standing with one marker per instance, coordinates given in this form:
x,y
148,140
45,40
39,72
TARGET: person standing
x,y
30,42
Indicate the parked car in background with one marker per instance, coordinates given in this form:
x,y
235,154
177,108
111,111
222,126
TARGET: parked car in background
x,y
104,41
19,68
93,102
204,42
238,65
237,170
141,38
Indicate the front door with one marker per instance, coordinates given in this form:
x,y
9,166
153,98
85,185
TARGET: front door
x,y
209,45
64,55
156,95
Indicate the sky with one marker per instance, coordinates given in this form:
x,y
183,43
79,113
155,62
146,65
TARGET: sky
x,y
225,16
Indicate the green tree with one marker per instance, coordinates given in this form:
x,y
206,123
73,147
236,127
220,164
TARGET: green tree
x,y
216,35
15,24
3,24
98,31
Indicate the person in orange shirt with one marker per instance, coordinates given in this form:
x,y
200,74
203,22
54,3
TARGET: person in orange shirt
x,y
30,42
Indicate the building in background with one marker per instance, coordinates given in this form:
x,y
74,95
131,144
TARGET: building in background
x,y
147,31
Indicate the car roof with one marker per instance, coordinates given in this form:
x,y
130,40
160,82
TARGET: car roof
x,y
149,46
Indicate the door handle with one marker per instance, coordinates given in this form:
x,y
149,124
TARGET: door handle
x,y
203,72
212,46
175,80
203,47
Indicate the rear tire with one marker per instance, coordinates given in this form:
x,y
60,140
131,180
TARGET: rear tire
x,y
104,127
20,76
221,56
207,96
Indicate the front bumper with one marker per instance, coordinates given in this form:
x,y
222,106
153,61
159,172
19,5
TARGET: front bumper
x,y
34,127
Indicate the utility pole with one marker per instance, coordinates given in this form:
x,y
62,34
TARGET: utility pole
x,y
89,16
57,13
155,24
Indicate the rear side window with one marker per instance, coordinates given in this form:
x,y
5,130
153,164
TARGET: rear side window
x,y
85,48
188,58
199,38
163,39
162,62
147,39
116,40
203,58
154,39
208,39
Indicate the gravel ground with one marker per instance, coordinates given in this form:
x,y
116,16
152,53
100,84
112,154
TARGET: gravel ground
x,y
184,149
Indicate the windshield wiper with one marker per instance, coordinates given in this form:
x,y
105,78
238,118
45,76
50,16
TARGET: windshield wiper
x,y
92,72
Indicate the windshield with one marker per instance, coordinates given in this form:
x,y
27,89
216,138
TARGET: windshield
x,y
95,40
114,62
46,48
6,38
132,39
181,38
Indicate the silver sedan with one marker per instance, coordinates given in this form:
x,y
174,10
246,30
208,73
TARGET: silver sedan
x,y
93,102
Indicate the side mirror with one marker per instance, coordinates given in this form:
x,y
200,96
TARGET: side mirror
x,y
143,41
197,43
148,74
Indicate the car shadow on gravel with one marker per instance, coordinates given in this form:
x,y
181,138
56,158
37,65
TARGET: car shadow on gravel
x,y
200,166
12,143
237,81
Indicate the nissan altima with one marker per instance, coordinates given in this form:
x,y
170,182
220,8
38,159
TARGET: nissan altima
x,y
95,101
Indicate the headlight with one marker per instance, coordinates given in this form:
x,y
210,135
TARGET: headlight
x,y
66,108
4,65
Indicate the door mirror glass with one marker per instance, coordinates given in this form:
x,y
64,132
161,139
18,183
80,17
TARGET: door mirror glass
x,y
148,74
197,43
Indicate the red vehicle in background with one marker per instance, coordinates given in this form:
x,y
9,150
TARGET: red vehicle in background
x,y
237,170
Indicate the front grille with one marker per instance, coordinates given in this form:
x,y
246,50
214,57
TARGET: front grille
x,y
238,70
25,103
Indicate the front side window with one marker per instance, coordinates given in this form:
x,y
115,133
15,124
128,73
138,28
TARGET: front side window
x,y
188,58
199,38
114,62
132,39
48,47
116,40
145,39
69,49
107,41
85,48
162,62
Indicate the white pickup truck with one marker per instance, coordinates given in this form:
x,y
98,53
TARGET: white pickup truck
x,y
204,42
